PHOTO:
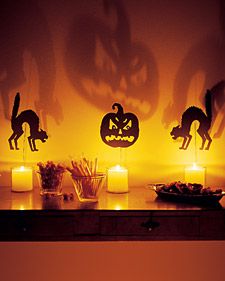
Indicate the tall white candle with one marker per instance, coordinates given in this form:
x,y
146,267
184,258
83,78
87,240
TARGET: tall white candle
x,y
117,181
22,179
195,174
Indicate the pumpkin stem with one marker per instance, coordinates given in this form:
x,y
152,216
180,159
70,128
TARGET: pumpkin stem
x,y
119,108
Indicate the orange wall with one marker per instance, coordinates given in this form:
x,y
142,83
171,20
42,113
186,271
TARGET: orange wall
x,y
71,61
133,261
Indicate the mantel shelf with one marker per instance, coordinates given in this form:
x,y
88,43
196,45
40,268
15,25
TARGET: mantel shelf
x,y
137,215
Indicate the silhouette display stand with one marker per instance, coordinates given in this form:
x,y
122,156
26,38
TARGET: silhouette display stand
x,y
190,115
119,129
17,121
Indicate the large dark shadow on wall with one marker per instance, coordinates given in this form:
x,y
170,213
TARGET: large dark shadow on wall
x,y
218,106
24,28
105,66
208,57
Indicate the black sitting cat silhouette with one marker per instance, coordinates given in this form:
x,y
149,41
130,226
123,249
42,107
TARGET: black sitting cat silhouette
x,y
192,114
17,121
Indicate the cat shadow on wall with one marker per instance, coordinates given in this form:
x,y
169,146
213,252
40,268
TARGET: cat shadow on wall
x,y
208,57
218,106
105,65
24,28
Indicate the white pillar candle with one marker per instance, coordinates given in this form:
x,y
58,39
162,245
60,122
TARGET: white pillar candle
x,y
22,179
117,181
195,174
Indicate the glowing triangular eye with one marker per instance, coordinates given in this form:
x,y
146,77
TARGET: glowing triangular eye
x,y
112,125
128,126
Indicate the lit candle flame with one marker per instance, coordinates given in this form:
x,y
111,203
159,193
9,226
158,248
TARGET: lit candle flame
x,y
195,167
117,168
195,174
22,168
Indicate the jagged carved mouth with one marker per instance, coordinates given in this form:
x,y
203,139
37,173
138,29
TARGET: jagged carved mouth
x,y
119,138
103,90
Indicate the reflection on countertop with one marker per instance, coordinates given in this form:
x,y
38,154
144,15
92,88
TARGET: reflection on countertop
x,y
138,198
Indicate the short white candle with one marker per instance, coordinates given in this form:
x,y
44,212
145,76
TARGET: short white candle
x,y
117,181
195,174
22,179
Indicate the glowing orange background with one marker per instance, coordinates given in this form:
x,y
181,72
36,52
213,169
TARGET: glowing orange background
x,y
178,36
180,47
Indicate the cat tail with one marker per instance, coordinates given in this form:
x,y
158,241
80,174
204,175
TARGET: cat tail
x,y
208,104
15,106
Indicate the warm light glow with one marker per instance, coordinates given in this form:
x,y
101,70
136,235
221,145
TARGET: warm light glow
x,y
117,179
195,174
117,168
22,179
23,201
90,85
195,167
117,202
117,208
22,169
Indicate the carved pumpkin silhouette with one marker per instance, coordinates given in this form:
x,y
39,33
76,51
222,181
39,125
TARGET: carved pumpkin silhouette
x,y
119,129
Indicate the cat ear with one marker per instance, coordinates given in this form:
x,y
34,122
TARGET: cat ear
x,y
178,126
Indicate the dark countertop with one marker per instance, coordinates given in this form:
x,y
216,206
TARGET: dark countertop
x,y
138,198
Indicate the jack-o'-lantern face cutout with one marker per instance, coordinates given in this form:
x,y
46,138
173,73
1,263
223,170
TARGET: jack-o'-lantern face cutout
x,y
104,64
119,129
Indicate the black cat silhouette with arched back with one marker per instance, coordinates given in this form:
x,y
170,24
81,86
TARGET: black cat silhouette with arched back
x,y
190,115
17,121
